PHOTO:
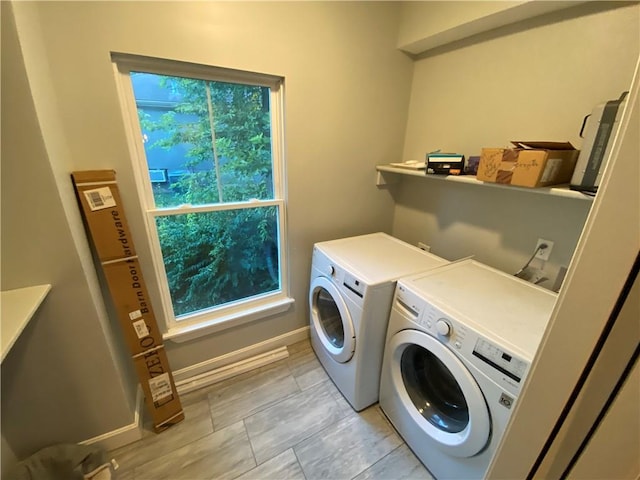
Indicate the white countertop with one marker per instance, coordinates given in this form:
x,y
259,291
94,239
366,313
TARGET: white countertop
x,y
17,307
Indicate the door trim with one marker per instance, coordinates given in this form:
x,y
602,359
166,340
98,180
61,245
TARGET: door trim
x,y
606,371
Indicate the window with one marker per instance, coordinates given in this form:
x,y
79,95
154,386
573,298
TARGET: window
x,y
206,146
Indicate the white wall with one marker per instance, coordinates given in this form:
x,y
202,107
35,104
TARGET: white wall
x,y
426,25
534,80
63,380
422,22
346,100
426,19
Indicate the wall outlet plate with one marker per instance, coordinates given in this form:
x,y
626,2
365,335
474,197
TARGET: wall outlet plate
x,y
544,254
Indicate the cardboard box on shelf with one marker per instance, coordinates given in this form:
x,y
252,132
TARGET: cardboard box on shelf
x,y
528,164
104,216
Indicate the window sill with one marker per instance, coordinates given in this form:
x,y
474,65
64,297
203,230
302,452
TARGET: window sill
x,y
181,334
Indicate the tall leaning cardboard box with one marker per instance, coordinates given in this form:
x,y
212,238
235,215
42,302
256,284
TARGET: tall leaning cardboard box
x,y
107,227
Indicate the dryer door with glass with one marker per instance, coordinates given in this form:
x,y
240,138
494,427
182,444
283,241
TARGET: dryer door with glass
x,y
439,393
331,320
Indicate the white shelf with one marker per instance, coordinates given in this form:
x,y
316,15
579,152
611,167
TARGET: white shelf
x,y
384,178
17,307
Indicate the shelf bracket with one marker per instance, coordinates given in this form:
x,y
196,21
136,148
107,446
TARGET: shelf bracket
x,y
382,180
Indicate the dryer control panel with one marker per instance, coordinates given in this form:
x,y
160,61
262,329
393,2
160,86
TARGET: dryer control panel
x,y
353,287
353,284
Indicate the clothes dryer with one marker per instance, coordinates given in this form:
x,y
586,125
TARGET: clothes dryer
x,y
352,285
459,345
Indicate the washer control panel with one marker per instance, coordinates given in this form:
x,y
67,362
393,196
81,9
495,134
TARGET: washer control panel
x,y
499,359
443,327
432,321
503,366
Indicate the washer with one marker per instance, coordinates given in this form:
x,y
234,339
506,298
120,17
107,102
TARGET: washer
x,y
352,285
459,345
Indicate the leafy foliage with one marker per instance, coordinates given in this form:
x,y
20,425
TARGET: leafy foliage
x,y
212,258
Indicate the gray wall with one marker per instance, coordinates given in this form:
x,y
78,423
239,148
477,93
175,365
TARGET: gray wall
x,y
63,380
346,102
533,80
347,97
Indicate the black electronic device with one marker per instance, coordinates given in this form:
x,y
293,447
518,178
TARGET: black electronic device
x,y
602,125
445,163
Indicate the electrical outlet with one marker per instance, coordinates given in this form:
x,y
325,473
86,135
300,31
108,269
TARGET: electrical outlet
x,y
424,246
544,254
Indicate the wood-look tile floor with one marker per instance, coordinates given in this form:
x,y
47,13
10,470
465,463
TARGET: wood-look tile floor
x,y
283,421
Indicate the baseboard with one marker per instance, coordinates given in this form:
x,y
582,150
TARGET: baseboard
x,y
202,374
185,374
124,435
228,371
234,363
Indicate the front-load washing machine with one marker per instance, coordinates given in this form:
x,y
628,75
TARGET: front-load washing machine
x,y
352,285
459,345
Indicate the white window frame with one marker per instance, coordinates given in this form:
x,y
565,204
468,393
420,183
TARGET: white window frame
x,y
244,310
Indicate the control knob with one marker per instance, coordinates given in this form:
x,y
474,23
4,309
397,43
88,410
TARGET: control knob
x,y
443,327
331,270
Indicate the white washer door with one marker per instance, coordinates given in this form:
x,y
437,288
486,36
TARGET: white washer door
x,y
331,319
439,393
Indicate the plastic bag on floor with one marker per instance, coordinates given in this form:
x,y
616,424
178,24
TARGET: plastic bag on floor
x,y
64,462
